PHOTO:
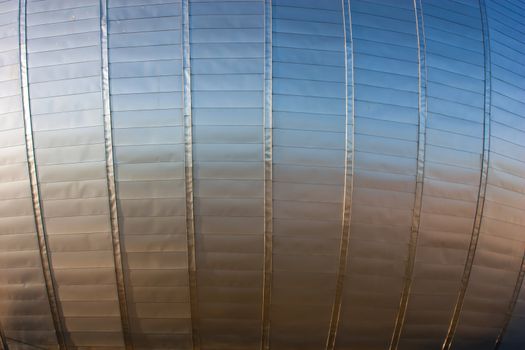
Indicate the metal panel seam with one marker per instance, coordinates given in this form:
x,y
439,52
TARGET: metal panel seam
x,y
110,173
268,177
349,174
33,179
188,174
482,185
416,215
3,339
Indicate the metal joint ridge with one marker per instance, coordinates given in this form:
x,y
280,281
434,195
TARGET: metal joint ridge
x,y
268,178
33,179
348,177
416,215
188,174
110,174
3,339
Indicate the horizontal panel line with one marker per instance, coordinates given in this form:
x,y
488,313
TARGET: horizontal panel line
x,y
39,115
506,157
30,14
177,45
446,19
70,181
455,102
130,19
317,50
305,21
334,11
384,30
29,40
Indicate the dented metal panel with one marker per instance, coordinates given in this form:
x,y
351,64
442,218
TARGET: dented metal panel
x,y
262,174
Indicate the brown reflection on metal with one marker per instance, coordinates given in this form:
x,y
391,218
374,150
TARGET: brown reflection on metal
x,y
33,178
482,186
512,304
110,173
3,340
268,178
349,173
416,217
188,173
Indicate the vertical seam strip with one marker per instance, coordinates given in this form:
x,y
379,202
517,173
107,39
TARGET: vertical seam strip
x,y
416,215
110,172
349,174
482,184
3,339
33,179
268,177
188,173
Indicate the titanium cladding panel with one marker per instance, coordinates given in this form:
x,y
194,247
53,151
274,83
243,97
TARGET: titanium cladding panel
x,y
262,174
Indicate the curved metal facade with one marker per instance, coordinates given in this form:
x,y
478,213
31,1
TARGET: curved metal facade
x,y
262,174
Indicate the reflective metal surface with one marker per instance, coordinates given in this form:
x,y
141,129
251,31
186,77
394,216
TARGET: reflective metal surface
x,y
262,174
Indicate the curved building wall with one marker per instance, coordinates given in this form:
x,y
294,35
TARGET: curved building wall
x,y
262,174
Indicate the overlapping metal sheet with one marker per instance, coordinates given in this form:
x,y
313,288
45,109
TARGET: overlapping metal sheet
x,y
262,174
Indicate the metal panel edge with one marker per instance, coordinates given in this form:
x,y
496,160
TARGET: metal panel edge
x,y
188,174
33,178
3,340
268,177
110,173
349,174
482,185
416,216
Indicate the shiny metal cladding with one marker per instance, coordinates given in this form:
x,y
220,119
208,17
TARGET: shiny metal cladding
x,y
458,145
510,336
494,282
309,118
227,65
25,304
387,126
65,86
483,183
420,173
149,99
262,174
